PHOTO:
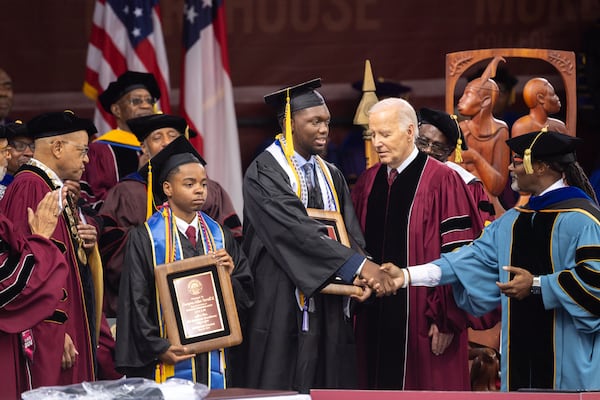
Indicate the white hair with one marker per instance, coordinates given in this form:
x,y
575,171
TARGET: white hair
x,y
406,113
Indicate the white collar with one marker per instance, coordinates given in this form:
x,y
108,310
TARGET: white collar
x,y
411,157
556,185
300,161
182,225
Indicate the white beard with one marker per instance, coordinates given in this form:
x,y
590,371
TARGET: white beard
x,y
514,184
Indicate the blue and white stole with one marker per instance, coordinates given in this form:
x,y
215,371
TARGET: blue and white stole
x,y
166,247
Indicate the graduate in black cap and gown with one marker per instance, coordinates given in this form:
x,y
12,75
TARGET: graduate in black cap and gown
x,y
298,338
126,204
179,177
541,262
115,154
66,341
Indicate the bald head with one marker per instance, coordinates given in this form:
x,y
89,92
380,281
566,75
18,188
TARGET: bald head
x,y
533,88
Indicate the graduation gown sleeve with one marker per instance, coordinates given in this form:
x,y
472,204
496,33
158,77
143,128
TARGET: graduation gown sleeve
x,y
138,336
34,272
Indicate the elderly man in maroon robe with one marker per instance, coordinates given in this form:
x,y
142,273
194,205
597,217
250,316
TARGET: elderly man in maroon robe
x,y
411,208
65,342
116,153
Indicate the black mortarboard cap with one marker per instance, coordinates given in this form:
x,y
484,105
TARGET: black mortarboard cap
x,y
302,96
143,126
59,123
165,161
545,146
13,129
124,84
385,88
445,123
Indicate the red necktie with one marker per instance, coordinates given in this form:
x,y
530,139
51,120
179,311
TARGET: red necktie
x,y
392,175
190,232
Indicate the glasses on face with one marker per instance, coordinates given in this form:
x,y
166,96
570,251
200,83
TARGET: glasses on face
x,y
138,101
5,151
159,137
516,161
438,148
21,146
83,150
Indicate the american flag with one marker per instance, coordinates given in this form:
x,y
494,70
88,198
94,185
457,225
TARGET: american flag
x,y
207,94
126,35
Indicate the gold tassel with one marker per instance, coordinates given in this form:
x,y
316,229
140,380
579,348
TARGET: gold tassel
x,y
458,150
149,196
289,144
527,162
187,132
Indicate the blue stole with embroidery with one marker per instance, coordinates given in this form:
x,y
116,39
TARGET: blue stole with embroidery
x,y
164,236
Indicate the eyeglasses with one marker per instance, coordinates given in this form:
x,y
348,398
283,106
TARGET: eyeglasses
x,y
82,149
423,144
21,146
516,161
5,151
138,101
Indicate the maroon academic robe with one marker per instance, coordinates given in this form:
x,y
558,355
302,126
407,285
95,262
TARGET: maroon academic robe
x,y
125,207
427,211
107,166
484,207
71,317
30,291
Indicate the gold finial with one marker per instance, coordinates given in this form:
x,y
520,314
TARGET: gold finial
x,y
368,98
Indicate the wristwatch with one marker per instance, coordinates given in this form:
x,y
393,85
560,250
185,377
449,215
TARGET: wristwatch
x,y
536,286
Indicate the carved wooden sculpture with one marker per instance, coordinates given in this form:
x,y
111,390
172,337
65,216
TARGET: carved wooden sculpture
x,y
488,155
563,61
540,97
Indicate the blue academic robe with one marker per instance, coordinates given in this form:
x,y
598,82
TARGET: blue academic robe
x,y
557,333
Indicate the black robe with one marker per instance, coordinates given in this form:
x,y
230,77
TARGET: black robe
x,y
287,250
138,337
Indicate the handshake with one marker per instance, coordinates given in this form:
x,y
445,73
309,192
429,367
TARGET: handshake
x,y
384,280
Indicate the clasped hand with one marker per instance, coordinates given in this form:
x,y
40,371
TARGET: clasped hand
x,y
384,280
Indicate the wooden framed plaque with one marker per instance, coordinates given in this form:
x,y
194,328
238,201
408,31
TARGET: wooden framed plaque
x,y
336,229
334,222
198,304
